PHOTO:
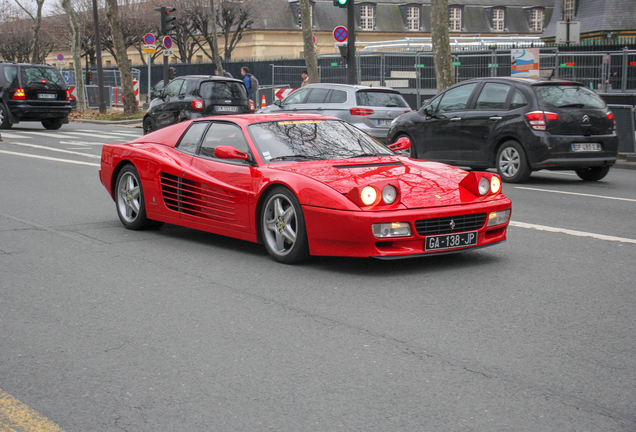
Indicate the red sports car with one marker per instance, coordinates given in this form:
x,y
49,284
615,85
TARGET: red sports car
x,y
303,185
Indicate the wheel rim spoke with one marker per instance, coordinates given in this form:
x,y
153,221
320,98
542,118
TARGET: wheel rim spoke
x,y
279,225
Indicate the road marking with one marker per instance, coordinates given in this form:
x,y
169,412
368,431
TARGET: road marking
x,y
576,193
16,416
56,150
572,232
114,133
10,135
94,135
82,143
52,135
50,158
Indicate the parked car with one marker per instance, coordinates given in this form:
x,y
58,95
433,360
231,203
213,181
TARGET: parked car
x,y
194,96
370,109
517,125
302,184
32,92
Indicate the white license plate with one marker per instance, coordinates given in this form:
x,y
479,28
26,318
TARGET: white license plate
x,y
451,241
384,122
586,147
47,96
226,109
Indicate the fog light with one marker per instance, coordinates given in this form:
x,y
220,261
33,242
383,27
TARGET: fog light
x,y
484,185
498,218
393,229
368,195
495,184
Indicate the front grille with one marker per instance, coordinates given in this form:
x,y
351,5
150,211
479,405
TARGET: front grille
x,y
469,222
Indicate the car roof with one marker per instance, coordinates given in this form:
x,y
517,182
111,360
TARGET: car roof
x,y
208,77
355,87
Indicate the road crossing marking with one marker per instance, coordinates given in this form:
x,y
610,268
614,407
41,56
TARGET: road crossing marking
x,y
48,134
575,193
114,133
56,150
50,158
16,416
82,143
94,135
572,232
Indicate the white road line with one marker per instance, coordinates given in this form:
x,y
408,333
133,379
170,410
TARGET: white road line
x,y
11,135
48,134
572,232
56,150
114,133
83,143
95,135
576,193
50,158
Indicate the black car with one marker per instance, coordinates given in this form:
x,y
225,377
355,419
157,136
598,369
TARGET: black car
x,y
193,96
31,92
517,125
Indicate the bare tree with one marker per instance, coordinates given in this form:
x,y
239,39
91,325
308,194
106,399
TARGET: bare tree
x,y
37,23
441,44
308,41
215,42
77,51
130,102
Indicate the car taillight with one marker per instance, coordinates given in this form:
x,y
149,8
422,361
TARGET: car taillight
x,y
537,119
361,111
610,116
252,106
68,95
19,94
197,104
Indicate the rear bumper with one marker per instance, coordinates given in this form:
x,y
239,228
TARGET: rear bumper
x,y
554,152
21,111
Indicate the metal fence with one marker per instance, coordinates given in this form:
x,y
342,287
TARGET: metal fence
x,y
111,77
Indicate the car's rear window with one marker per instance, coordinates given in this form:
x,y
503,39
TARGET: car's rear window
x,y
39,74
569,96
218,91
380,99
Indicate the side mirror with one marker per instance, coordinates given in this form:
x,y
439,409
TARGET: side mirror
x,y
156,94
229,152
402,144
277,102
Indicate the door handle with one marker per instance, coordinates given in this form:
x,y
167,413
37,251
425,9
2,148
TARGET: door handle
x,y
495,118
456,119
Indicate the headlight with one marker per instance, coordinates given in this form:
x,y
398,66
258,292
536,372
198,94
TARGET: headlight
x,y
498,218
368,195
393,229
495,184
484,185
389,194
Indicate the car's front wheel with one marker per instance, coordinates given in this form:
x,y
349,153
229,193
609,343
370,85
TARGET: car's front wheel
x,y
129,196
4,117
283,227
54,124
592,173
512,163
149,125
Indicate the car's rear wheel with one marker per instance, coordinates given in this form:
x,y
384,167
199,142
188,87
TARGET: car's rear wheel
x,y
592,173
54,124
129,196
4,117
149,125
283,227
512,163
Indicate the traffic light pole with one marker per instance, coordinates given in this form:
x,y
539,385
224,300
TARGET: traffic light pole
x,y
166,72
351,44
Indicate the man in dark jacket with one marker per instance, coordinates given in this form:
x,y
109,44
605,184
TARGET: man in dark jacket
x,y
247,80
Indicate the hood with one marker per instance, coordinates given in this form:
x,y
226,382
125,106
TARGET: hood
x,y
422,184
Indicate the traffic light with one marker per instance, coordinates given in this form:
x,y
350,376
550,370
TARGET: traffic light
x,y
89,77
342,3
167,18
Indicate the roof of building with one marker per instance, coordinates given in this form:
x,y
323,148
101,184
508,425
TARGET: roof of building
x,y
597,15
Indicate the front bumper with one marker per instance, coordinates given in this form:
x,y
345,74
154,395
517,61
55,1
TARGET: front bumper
x,y
345,233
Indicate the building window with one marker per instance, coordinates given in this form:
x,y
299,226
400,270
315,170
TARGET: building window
x,y
455,19
311,16
536,21
498,20
568,9
413,18
366,18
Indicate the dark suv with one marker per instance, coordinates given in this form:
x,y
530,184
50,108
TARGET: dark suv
x,y
517,125
30,92
194,96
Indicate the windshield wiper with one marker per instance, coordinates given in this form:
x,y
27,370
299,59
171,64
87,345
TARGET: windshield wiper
x,y
293,157
368,155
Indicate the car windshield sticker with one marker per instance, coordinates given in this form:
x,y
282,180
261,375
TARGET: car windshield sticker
x,y
267,155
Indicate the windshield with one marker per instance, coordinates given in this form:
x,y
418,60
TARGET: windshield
x,y
40,75
223,90
312,140
380,99
564,96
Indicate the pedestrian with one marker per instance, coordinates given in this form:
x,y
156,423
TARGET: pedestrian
x,y
225,73
305,78
605,73
250,81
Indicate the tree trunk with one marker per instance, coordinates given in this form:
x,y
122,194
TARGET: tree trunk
x,y
215,43
130,102
308,42
77,59
441,44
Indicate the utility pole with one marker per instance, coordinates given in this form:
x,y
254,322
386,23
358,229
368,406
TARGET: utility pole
x,y
352,77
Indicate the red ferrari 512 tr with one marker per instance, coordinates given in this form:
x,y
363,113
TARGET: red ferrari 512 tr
x,y
303,185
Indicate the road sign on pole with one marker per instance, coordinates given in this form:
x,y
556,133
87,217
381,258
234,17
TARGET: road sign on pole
x,y
149,39
167,42
340,33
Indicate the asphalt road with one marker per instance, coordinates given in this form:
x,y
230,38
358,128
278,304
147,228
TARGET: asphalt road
x,y
105,329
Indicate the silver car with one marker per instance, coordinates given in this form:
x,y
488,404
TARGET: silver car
x,y
370,109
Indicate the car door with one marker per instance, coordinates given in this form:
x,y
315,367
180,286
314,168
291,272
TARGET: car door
x,y
440,126
166,112
482,121
219,189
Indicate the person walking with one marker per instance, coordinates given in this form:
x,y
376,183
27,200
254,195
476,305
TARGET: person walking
x,y
305,78
605,73
250,81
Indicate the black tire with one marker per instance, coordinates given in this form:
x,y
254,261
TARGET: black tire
x,y
411,152
592,173
54,124
4,117
512,163
149,125
283,227
129,199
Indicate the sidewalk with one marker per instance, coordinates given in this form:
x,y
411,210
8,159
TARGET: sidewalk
x,y
626,161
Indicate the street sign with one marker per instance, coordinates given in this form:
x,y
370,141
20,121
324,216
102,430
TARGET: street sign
x,y
314,39
60,57
149,39
168,52
150,48
340,33
167,42
67,77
